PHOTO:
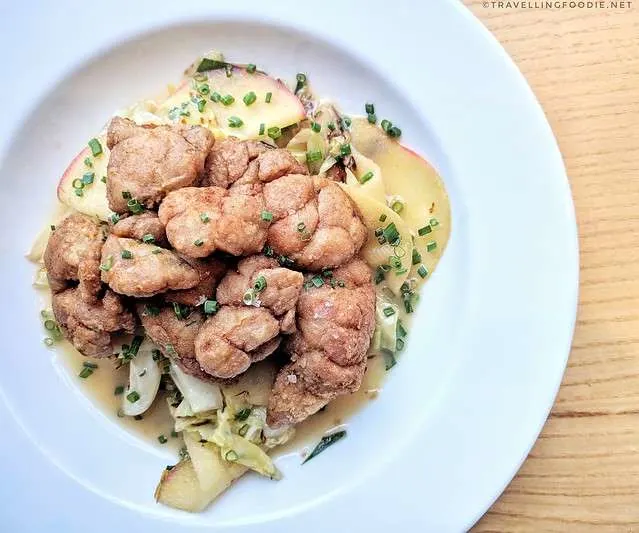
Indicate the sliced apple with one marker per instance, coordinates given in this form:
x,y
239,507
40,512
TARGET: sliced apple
x,y
374,253
213,473
417,183
283,109
360,178
179,488
93,199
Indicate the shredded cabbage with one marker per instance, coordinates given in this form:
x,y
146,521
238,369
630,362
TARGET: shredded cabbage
x,y
202,395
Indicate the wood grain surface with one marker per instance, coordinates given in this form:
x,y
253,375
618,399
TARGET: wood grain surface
x,y
583,473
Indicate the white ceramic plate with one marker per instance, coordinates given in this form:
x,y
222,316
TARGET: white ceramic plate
x,y
470,395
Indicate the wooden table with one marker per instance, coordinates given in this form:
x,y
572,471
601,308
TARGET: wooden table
x,y
583,473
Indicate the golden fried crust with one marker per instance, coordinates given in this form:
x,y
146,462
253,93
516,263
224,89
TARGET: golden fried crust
x,y
328,351
211,271
89,325
232,339
315,223
201,220
147,162
73,254
174,336
228,161
139,226
149,271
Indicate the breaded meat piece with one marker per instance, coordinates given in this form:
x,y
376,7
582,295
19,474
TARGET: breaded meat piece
x,y
235,337
335,324
89,326
228,161
201,220
282,289
141,270
211,271
174,336
148,161
145,226
73,254
315,223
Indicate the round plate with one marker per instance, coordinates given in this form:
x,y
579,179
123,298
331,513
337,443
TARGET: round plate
x,y
490,340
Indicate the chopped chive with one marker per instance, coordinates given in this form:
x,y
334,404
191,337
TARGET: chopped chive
x,y
316,127
50,325
174,433
77,183
379,275
52,227
96,147
260,284
317,281
126,254
313,156
399,345
367,177
88,178
346,122
424,231
115,218
210,64
103,179
243,430
126,195
85,372
391,234
243,414
434,222
79,192
88,162
135,207
268,251
118,390
345,149
382,217
324,443
386,125
397,206
341,283
107,265
372,118
417,257
249,297
204,89
133,396
401,331
394,132
301,227
268,97
251,68
148,238
162,439
157,354
389,360
89,364
181,311
198,242
235,122
216,97
274,132
370,108
262,127
301,81
422,271
431,246
227,99
151,310
204,217
201,104
249,98
388,311
210,307
231,456
267,216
